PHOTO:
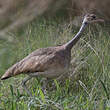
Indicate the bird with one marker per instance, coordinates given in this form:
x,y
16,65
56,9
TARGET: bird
x,y
50,62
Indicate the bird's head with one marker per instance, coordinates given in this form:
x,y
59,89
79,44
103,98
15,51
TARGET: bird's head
x,y
91,18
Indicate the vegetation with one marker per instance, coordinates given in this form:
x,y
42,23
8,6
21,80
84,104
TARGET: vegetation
x,y
87,86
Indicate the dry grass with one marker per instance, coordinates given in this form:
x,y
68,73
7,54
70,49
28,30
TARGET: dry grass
x,y
88,84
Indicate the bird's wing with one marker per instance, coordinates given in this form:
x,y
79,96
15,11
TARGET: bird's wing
x,y
40,60
37,63
34,62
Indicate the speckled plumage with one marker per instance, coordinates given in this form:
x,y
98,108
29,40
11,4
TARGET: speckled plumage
x,y
48,62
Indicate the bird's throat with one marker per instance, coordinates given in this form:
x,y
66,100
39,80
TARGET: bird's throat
x,y
75,39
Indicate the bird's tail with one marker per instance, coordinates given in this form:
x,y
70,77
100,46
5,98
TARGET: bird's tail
x,y
12,71
5,76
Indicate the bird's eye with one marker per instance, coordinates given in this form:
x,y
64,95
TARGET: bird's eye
x,y
93,16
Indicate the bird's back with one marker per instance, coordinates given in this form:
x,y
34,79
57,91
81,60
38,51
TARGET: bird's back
x,y
52,59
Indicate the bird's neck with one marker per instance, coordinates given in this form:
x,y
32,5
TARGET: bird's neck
x,y
75,39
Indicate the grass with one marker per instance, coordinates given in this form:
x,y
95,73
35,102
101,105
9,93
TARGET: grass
x,y
87,86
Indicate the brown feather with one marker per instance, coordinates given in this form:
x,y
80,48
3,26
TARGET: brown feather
x,y
40,60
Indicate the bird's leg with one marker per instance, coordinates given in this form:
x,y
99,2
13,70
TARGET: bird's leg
x,y
44,86
24,85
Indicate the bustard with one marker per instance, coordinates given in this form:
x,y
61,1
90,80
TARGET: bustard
x,y
49,62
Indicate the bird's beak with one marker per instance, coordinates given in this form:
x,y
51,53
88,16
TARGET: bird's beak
x,y
97,20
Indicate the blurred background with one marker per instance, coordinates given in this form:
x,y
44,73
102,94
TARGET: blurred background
x,y
14,14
